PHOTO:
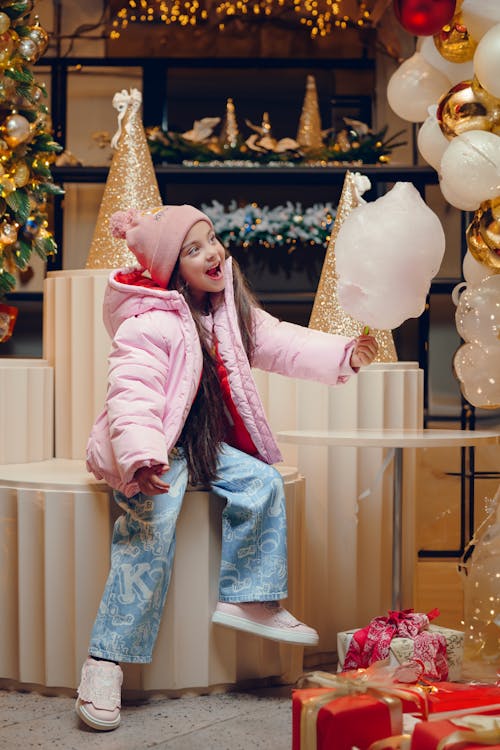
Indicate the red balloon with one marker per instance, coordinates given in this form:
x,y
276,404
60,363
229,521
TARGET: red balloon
x,y
424,17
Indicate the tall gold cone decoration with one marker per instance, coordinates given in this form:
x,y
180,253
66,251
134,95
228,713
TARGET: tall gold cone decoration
x,y
131,183
327,314
309,131
229,135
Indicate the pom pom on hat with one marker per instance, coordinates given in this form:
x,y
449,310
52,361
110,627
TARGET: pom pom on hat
x,y
121,221
156,238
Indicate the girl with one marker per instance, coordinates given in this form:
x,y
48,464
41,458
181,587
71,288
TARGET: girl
x,y
182,407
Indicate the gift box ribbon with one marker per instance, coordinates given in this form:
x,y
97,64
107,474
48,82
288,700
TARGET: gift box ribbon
x,y
373,681
478,730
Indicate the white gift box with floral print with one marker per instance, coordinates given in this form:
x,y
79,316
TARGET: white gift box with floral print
x,y
402,649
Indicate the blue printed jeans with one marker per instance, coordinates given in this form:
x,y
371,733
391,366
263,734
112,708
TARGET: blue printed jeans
x,y
253,559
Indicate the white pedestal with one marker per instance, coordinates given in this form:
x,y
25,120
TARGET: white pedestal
x,y
76,344
348,541
55,530
26,410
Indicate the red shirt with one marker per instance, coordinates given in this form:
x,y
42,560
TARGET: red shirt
x,y
237,434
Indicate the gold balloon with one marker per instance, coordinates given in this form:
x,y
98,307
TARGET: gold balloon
x,y
489,223
460,110
491,103
483,234
454,43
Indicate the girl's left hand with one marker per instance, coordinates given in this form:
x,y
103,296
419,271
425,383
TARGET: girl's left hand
x,y
364,352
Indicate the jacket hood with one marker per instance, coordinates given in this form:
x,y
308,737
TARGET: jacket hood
x,y
129,292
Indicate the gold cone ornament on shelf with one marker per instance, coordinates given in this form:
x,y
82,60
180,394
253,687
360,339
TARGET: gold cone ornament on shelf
x,y
309,131
229,134
327,314
131,183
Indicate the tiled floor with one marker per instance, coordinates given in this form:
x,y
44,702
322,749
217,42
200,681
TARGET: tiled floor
x,y
225,721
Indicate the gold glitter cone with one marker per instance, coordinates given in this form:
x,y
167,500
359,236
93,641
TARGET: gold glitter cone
x,y
327,314
309,132
131,183
229,135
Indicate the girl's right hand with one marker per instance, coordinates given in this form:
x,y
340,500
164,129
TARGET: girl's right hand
x,y
149,479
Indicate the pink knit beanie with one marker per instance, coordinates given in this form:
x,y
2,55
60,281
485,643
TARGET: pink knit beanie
x,y
156,238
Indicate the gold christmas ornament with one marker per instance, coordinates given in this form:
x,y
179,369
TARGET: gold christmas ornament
x,y
39,36
229,135
483,234
309,132
8,233
454,43
4,22
327,314
460,110
131,183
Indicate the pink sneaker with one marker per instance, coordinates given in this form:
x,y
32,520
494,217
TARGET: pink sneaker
x,y
267,619
99,695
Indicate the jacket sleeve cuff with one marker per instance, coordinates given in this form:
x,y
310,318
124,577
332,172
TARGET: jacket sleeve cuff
x,y
345,369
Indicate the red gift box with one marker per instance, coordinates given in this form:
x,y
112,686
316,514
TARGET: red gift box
x,y
454,698
429,735
343,722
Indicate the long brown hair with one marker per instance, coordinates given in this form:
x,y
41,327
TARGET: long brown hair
x,y
203,430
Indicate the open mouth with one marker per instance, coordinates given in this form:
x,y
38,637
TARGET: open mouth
x,y
215,272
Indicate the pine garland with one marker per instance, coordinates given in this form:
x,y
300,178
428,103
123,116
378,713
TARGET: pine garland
x,y
286,225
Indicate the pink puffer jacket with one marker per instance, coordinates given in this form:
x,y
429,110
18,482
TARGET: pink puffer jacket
x,y
155,367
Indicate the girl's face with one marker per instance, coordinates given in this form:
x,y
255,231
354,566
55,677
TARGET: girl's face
x,y
201,262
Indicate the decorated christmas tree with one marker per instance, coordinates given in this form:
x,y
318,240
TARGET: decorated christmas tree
x,y
27,148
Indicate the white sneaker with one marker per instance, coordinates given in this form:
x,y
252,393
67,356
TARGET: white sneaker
x,y
99,694
267,619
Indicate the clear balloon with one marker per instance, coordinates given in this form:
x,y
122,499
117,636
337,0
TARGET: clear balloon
x,y
455,72
387,253
478,371
414,87
487,61
430,140
481,659
471,165
424,17
478,313
479,16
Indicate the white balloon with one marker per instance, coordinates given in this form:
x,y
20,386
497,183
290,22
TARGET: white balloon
x,y
414,87
430,140
457,199
487,61
386,253
455,72
470,167
473,271
478,370
479,16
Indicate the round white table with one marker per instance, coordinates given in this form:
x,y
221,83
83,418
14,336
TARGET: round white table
x,y
397,439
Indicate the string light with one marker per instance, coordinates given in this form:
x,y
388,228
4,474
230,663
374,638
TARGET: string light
x,y
319,17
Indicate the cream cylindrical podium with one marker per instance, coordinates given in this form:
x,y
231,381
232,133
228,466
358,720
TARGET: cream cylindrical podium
x,y
26,410
77,345
348,529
